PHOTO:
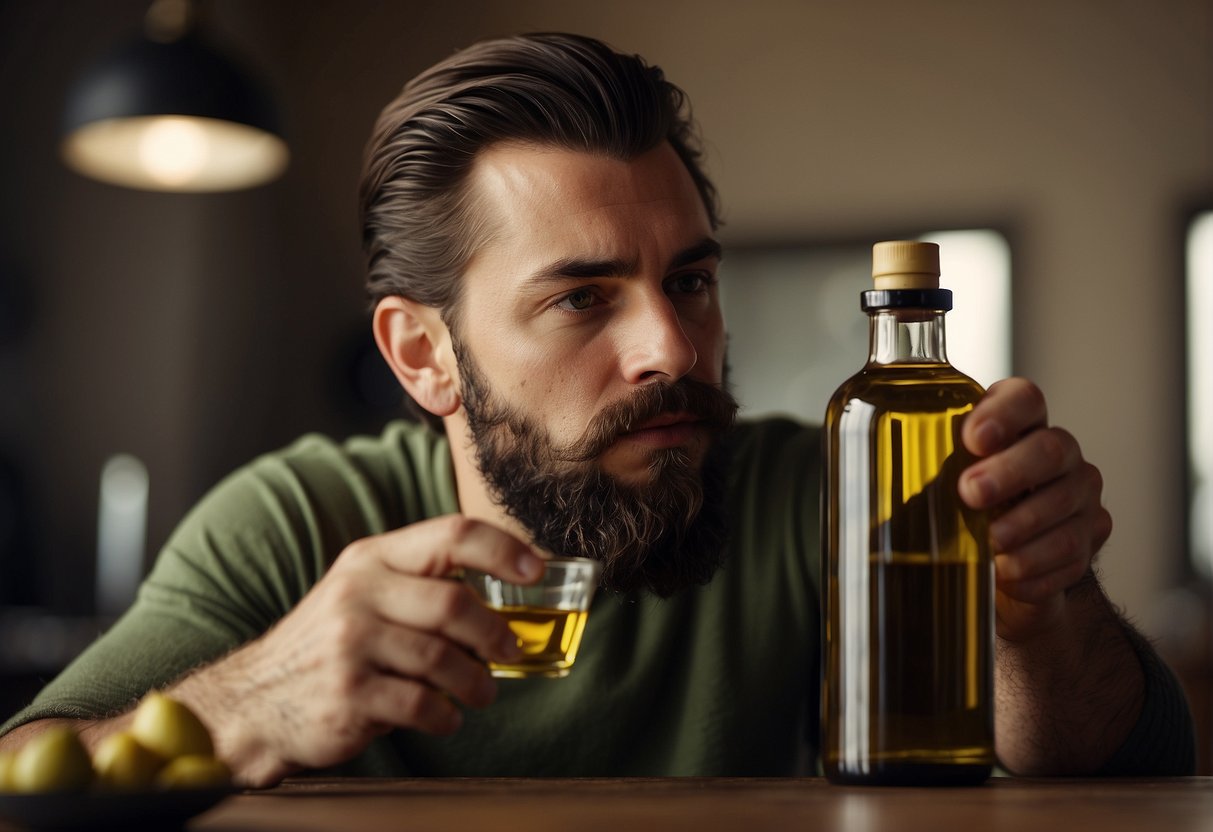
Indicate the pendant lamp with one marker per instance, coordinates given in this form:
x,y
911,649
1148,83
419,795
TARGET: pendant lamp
x,y
172,112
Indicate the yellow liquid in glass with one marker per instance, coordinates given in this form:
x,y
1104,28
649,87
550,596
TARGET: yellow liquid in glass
x,y
548,639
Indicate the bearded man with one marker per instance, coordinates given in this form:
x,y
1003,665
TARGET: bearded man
x,y
542,252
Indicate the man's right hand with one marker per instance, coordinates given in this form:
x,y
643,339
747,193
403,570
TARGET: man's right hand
x,y
384,640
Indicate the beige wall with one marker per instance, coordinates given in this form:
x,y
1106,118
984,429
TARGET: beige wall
x,y
1084,128
1081,127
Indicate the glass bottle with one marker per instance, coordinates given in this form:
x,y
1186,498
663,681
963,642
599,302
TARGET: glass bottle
x,y
908,690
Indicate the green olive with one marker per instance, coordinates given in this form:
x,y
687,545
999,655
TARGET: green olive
x,y
53,761
194,771
169,728
7,760
122,763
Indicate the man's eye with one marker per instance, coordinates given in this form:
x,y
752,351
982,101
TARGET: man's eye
x,y
578,301
691,282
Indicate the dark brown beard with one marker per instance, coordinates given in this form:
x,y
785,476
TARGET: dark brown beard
x,y
663,535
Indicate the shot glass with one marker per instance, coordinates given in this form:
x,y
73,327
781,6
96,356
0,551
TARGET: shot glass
x,y
547,617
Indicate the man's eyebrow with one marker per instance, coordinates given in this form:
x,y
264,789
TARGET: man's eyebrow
x,y
584,267
573,267
705,248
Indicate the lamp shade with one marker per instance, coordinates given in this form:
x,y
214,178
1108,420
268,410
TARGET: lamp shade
x,y
177,116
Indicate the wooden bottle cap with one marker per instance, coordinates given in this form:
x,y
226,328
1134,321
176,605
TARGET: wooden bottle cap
x,y
905,264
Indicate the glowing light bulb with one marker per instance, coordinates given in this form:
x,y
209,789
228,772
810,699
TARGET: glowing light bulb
x,y
174,150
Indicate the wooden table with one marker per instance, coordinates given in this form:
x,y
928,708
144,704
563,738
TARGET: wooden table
x,y
707,805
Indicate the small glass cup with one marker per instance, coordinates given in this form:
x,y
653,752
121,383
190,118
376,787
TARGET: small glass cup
x,y
547,617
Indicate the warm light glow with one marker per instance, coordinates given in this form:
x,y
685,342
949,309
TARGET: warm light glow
x,y
174,150
176,153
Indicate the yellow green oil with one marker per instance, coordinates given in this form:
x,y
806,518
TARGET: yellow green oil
x,y
908,683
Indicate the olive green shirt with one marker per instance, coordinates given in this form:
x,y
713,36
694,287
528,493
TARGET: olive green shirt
x,y
718,680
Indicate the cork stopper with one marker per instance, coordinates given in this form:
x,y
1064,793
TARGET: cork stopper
x,y
905,264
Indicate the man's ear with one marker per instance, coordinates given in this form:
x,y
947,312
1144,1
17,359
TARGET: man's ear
x,y
416,344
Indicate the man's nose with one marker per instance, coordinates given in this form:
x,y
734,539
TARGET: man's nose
x,y
657,346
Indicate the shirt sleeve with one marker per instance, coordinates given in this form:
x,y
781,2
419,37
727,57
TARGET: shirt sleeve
x,y
246,555
1162,743
229,571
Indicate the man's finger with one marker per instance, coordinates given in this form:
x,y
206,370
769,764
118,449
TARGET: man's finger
x,y
1009,409
1034,461
1043,509
435,660
1040,588
447,608
408,703
442,545
1063,553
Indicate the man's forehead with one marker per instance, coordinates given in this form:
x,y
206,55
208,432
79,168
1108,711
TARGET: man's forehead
x,y
515,168
544,175
546,212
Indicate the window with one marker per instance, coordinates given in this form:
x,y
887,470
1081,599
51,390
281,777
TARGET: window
x,y
796,331
1199,269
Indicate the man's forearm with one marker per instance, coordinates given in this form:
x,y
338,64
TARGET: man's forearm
x,y
225,695
208,693
91,731
1066,700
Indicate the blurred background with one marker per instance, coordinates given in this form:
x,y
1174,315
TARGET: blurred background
x,y
167,338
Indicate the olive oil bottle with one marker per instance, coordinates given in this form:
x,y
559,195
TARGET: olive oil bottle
x,y
907,691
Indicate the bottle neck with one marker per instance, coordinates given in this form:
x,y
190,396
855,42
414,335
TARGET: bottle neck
x,y
906,336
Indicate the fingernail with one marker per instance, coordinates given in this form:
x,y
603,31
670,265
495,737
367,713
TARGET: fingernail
x,y
989,436
529,566
981,489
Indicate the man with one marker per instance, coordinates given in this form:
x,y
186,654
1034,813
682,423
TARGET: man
x,y
542,254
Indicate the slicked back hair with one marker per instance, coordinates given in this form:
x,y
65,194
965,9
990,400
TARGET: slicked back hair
x,y
420,228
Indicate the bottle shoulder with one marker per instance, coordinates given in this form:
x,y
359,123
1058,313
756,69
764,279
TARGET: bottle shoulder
x,y
908,388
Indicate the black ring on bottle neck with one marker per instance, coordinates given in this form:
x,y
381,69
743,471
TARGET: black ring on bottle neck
x,y
876,299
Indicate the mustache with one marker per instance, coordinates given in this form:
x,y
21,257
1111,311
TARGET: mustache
x,y
709,404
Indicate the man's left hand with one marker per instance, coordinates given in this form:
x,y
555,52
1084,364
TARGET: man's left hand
x,y
1047,521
